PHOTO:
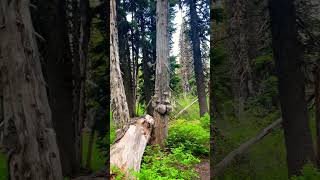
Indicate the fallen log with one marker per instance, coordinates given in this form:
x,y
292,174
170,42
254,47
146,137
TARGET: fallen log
x,y
244,147
184,109
126,153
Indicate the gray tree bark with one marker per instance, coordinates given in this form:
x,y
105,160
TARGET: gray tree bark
x,y
29,136
161,102
119,106
238,50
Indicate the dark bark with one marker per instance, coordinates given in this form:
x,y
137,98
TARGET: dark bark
x,y
52,25
198,66
147,72
29,136
317,103
288,56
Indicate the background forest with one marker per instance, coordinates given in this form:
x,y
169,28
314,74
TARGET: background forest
x,y
246,77
183,153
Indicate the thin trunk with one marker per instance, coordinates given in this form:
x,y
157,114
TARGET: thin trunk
x,y
29,135
84,38
146,67
288,56
238,50
161,101
317,103
124,55
198,66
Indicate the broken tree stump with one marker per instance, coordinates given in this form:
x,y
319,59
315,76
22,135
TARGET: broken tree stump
x,y
126,153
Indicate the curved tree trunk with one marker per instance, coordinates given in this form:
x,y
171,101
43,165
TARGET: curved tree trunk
x,y
119,106
29,135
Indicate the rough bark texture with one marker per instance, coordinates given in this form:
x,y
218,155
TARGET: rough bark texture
x,y
29,135
238,50
186,60
161,100
198,66
127,152
288,56
50,19
119,106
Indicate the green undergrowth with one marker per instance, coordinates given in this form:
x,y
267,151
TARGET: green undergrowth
x,y
160,164
309,172
98,159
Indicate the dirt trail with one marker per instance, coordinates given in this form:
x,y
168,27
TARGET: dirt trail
x,y
203,168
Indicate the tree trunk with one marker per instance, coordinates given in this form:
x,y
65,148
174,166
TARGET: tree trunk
x,y
288,56
317,103
127,152
79,33
58,63
147,71
238,50
198,66
124,55
119,106
29,135
186,70
161,100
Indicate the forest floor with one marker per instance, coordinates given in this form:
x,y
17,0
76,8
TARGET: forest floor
x,y
203,169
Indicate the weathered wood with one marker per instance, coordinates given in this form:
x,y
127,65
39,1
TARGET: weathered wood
x,y
184,109
161,100
119,105
126,153
244,147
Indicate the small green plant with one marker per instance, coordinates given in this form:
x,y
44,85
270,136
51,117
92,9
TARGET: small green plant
x,y
162,165
205,122
117,173
309,172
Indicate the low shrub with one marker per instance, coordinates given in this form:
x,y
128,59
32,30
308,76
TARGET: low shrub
x,y
191,135
309,172
162,165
